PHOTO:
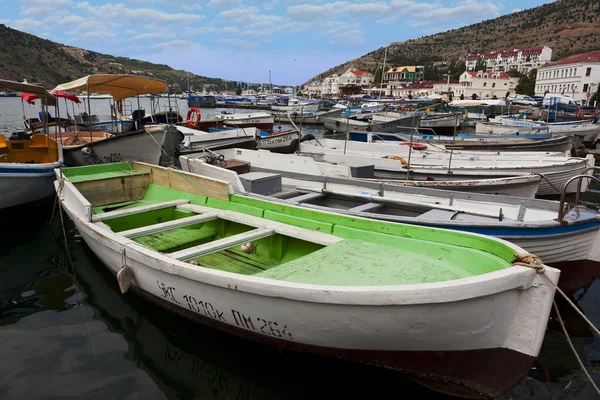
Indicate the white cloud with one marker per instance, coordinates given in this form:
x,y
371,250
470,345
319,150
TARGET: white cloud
x,y
120,11
516,10
26,24
149,35
268,5
257,32
222,4
176,45
389,11
239,43
37,11
349,38
97,35
212,29
240,14
54,3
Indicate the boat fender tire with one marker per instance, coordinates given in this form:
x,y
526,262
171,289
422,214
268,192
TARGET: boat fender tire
x,y
86,151
294,145
369,129
308,136
337,123
195,122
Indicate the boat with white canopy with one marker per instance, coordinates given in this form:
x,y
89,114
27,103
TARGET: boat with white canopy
x,y
153,144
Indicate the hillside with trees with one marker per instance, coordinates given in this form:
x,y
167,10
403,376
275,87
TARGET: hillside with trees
x,y
25,56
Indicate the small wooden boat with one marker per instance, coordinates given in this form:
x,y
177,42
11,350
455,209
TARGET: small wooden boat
x,y
436,122
517,142
556,171
530,223
27,161
584,128
259,120
279,142
309,117
491,144
398,296
157,144
520,186
394,125
196,140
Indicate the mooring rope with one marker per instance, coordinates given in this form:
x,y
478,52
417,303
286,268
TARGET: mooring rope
x,y
532,261
585,371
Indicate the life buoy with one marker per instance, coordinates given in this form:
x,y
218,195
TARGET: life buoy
x,y
192,123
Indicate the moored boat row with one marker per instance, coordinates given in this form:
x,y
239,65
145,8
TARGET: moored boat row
x,y
371,249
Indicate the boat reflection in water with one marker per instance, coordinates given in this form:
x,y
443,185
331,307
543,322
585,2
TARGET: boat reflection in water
x,y
71,333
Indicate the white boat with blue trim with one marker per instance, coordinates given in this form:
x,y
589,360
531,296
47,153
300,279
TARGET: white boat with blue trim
x,y
536,225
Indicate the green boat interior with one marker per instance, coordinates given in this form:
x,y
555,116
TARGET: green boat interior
x,y
194,219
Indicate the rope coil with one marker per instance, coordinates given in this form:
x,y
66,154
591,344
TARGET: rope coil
x,y
528,260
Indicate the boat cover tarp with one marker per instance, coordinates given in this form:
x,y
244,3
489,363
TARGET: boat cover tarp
x,y
31,98
118,86
68,96
11,86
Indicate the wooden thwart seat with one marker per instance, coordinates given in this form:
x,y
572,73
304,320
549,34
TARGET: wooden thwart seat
x,y
367,207
306,197
137,210
166,226
221,244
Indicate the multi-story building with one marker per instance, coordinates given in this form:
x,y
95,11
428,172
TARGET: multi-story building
x,y
410,90
576,76
523,60
404,74
350,82
483,84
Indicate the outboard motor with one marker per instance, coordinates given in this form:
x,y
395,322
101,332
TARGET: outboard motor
x,y
20,135
137,116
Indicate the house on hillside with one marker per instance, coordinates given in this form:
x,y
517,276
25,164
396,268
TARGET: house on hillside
x,y
485,85
353,81
405,74
577,76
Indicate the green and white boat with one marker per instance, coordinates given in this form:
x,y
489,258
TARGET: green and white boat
x,y
455,311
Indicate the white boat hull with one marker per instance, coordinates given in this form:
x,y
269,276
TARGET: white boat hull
x,y
22,188
383,326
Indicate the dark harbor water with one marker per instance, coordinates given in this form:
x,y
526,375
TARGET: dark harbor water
x,y
68,333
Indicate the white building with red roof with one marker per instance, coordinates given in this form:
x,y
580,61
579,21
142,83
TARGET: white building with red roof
x,y
483,84
523,60
356,77
352,81
576,76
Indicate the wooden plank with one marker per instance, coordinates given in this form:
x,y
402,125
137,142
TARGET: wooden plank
x,y
306,197
279,227
137,210
166,226
368,207
114,190
185,181
221,244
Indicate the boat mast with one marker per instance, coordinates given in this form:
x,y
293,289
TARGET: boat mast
x,y
383,71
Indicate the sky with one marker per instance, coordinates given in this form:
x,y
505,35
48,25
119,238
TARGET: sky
x,y
243,40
